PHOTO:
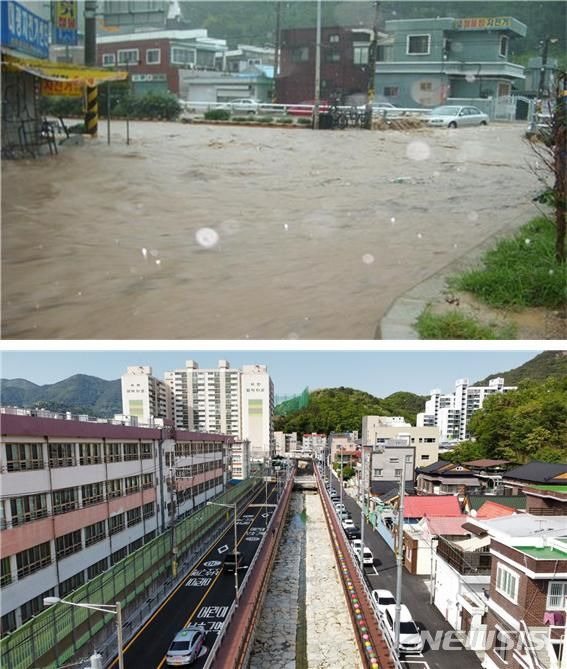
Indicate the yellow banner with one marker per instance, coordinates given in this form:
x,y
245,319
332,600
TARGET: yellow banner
x,y
64,72
64,88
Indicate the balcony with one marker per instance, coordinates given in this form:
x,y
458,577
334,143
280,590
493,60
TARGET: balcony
x,y
465,562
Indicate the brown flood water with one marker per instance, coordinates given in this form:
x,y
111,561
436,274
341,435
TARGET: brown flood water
x,y
221,232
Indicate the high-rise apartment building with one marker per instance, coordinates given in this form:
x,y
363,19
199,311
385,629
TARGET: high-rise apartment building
x,y
144,396
452,412
257,410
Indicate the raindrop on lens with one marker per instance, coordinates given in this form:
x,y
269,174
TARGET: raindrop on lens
x,y
207,237
418,151
145,253
368,259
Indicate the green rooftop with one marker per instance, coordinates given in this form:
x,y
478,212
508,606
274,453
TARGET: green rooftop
x,y
511,501
545,553
551,488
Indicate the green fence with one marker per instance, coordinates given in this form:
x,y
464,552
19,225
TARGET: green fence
x,y
55,635
286,404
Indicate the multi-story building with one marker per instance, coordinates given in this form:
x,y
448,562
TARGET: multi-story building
x,y
452,412
207,400
447,478
285,443
314,443
245,55
156,59
379,430
78,496
144,396
257,411
434,59
525,623
240,459
344,64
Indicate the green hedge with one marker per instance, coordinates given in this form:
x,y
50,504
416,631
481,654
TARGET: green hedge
x,y
217,115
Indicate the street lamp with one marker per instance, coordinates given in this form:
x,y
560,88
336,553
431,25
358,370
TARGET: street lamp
x,y
116,609
232,506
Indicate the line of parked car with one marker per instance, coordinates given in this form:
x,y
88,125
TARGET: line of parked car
x,y
383,601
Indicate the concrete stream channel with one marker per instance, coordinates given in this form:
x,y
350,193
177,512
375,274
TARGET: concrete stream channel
x,y
305,623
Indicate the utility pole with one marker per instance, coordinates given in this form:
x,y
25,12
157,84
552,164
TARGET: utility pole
x,y
173,513
277,54
362,512
541,85
372,58
91,116
400,557
317,72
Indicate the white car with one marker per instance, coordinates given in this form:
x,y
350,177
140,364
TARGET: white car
x,y
347,522
339,506
410,636
455,116
381,599
244,106
367,557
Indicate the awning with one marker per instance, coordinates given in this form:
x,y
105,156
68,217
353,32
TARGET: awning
x,y
67,72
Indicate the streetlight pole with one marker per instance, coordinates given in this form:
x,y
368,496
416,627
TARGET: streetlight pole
x,y
541,84
400,557
362,513
116,609
235,550
317,69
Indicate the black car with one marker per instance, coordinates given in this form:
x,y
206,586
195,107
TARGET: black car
x,y
352,533
232,562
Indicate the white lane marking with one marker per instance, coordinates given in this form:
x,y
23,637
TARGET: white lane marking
x,y
373,567
223,549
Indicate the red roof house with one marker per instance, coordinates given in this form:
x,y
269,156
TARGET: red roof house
x,y
494,510
418,506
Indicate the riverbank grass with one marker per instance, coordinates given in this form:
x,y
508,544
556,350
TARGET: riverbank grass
x,y
455,325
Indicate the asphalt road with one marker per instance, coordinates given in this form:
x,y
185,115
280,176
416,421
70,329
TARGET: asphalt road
x,y
414,594
206,593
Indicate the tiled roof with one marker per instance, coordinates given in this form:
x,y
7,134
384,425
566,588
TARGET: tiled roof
x,y
493,510
418,506
539,472
389,489
447,525
486,463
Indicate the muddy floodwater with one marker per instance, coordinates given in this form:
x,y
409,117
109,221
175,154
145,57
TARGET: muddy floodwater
x,y
224,232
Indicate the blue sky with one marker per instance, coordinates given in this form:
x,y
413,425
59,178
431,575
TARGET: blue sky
x,y
377,372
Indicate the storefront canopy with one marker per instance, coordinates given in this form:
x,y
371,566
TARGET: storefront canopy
x,y
67,72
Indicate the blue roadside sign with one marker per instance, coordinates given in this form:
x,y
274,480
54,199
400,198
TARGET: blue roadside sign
x,y
23,31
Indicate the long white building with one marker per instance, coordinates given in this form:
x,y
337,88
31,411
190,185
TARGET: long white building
x,y
144,396
78,496
452,412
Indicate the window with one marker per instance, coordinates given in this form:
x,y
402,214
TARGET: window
x,y
68,544
134,516
392,91
146,450
147,481
90,454
418,45
114,488
21,457
556,595
5,572
119,555
116,523
360,55
8,623
135,545
333,56
503,643
64,500
70,584
425,457
394,459
504,40
33,559
35,605
334,39
132,484
28,508
182,56
300,54
130,452
97,568
409,458
507,583
93,493
153,56
108,59
114,452
95,533
149,536
148,510
127,56
61,455
397,472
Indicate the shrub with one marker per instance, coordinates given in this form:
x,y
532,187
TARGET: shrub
x,y
284,119
61,106
264,119
217,115
454,325
240,119
304,121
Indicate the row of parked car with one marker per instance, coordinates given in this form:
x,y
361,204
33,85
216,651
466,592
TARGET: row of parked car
x,y
383,601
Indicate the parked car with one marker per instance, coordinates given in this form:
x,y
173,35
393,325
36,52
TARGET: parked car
x,y
301,110
381,599
455,116
378,107
410,637
347,523
186,646
352,533
339,506
367,557
232,561
243,106
343,514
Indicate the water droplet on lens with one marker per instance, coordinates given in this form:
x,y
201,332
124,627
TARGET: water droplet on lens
x,y
368,259
207,237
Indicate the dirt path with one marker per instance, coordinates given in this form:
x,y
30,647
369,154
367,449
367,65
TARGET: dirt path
x,y
215,232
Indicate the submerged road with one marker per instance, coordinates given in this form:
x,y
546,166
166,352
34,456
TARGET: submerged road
x,y
205,594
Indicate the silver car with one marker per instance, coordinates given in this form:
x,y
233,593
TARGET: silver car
x,y
455,116
186,646
244,106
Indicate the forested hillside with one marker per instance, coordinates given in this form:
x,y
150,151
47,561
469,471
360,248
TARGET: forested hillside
x,y
543,366
254,22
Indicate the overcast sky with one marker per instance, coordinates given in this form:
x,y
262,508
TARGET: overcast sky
x,y
377,372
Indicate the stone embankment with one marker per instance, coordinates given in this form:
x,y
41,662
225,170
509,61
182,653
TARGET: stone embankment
x,y
305,622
